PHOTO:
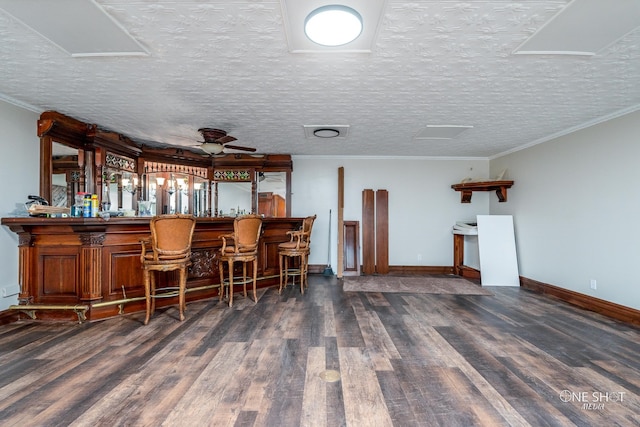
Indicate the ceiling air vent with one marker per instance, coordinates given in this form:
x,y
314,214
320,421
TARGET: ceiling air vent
x,y
326,131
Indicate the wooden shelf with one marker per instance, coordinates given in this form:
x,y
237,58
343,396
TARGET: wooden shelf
x,y
467,189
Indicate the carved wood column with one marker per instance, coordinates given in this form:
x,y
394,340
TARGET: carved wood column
x,y
46,163
25,279
215,198
91,265
254,200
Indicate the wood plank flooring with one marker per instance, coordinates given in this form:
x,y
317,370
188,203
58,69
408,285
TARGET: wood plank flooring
x,y
515,358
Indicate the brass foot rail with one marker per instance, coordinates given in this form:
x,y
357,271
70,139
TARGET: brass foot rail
x,y
81,310
30,309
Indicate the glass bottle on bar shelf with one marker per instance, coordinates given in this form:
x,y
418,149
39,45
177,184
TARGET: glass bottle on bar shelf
x,y
106,199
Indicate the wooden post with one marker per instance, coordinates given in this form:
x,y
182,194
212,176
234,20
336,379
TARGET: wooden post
x,y
382,232
340,266
368,232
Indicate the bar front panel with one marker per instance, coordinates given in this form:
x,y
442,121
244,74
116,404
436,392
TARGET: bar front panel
x,y
94,262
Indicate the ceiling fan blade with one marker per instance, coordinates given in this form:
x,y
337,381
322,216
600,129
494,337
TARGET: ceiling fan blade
x,y
211,134
237,147
225,139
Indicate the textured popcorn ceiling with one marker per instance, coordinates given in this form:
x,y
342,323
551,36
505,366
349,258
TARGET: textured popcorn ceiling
x,y
226,64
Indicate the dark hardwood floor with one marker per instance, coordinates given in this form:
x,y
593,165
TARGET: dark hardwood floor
x,y
514,358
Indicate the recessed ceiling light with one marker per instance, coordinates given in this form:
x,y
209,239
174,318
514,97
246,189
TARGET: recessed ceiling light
x,y
333,25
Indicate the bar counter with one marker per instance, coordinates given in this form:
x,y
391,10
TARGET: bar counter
x,y
90,267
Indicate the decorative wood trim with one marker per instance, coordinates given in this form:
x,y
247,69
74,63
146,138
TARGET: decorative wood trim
x,y
112,141
419,269
468,272
25,271
587,302
397,269
204,263
117,162
59,126
91,277
233,175
155,167
263,162
91,239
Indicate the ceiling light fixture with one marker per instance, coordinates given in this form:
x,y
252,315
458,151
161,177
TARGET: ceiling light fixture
x,y
212,147
333,25
326,133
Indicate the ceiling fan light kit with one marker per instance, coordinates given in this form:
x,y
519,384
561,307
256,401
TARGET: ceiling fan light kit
x,y
215,140
212,147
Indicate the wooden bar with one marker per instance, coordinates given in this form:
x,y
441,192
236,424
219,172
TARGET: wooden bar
x,y
90,261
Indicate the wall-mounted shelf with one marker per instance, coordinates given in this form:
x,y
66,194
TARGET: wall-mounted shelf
x,y
467,189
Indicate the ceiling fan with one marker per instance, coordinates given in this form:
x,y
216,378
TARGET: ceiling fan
x,y
216,140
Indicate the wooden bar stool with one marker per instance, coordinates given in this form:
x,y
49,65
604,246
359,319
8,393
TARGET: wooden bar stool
x,y
244,248
168,249
297,247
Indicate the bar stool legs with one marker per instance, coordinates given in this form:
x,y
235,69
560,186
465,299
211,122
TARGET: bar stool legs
x,y
285,271
297,246
230,285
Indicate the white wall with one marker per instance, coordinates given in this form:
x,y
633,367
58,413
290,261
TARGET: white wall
x,y
575,202
422,205
19,171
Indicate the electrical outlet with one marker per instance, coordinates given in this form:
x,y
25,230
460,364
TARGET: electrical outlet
x,y
594,285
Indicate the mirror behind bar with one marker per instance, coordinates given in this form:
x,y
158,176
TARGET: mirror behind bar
x,y
105,158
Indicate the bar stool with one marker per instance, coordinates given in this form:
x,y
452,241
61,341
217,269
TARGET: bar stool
x,y
298,246
245,236
168,249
